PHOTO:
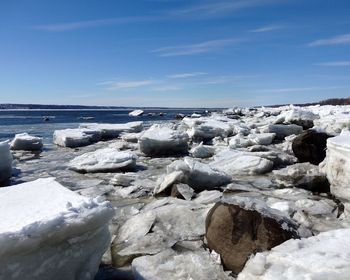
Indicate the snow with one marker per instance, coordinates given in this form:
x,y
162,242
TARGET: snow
x,y
103,160
136,113
5,162
325,256
75,137
26,142
160,140
337,165
50,232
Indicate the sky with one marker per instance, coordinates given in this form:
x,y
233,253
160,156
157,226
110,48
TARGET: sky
x,y
174,53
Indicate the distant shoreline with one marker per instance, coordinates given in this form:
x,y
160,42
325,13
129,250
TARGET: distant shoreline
x,y
42,107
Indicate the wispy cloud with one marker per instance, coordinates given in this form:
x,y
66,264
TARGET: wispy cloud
x,y
337,40
334,63
219,7
267,28
113,85
297,89
186,75
193,49
167,88
60,27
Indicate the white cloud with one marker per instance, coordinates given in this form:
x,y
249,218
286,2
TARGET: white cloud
x,y
193,49
335,63
167,88
220,7
60,27
337,40
113,85
267,28
297,89
186,75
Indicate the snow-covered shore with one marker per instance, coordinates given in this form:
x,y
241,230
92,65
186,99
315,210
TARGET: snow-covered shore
x,y
193,198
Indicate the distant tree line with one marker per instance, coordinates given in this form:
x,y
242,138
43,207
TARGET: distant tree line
x,y
336,101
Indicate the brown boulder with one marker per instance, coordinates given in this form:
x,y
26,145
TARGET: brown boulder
x,y
236,233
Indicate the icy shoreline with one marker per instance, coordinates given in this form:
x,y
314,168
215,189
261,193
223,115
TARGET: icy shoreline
x,y
163,181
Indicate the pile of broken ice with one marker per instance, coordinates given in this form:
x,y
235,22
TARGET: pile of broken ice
x,y
195,198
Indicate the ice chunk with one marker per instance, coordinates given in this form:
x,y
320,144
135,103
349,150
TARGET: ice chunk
x,y
136,113
5,162
284,130
333,123
302,175
206,128
202,151
50,232
169,264
26,142
103,160
161,140
109,131
300,117
198,175
337,165
73,138
235,162
325,256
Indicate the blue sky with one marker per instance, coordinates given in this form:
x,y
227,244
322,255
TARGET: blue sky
x,y
186,53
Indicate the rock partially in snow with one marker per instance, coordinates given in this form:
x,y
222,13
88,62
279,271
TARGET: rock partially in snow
x,y
26,142
282,131
310,146
73,138
302,175
202,151
103,160
235,162
325,256
50,232
337,165
237,230
136,113
110,131
300,117
5,162
199,265
161,140
198,175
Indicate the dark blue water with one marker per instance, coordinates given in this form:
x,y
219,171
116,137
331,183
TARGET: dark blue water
x,y
44,122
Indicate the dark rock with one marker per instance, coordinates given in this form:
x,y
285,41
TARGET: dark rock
x,y
310,146
236,233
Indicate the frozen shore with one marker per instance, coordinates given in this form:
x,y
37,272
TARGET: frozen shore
x,y
194,198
